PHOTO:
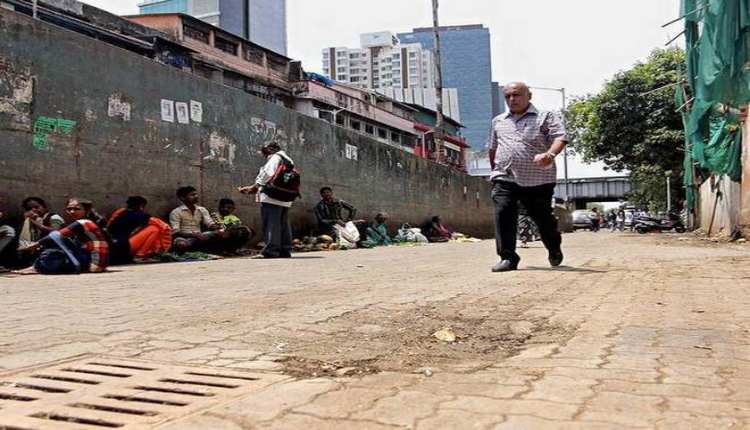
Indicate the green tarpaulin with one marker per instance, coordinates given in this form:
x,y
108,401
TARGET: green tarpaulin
x,y
717,36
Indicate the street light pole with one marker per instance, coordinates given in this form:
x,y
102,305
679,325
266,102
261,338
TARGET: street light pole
x,y
34,7
565,151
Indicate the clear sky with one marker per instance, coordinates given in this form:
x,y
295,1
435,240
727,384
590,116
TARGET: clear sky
x,y
576,44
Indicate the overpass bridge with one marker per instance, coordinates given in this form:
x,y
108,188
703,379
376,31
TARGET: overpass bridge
x,y
589,190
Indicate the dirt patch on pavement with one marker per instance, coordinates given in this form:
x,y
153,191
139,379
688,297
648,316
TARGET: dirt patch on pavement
x,y
404,339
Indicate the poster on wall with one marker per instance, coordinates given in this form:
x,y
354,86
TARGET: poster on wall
x,y
183,114
196,111
167,110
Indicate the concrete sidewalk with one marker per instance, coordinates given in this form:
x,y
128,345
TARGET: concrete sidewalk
x,y
637,331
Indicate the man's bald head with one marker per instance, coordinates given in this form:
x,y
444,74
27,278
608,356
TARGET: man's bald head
x,y
518,97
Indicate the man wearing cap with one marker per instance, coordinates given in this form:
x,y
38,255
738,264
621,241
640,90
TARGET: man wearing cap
x,y
523,144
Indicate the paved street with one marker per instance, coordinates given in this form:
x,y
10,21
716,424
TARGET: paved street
x,y
635,332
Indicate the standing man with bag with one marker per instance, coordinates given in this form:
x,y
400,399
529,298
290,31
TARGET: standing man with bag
x,y
523,144
276,187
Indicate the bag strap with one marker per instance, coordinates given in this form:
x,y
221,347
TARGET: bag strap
x,y
56,237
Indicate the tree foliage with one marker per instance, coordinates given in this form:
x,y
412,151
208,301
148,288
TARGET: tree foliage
x,y
634,125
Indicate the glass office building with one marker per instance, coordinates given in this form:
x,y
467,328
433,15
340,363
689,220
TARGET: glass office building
x,y
260,21
467,66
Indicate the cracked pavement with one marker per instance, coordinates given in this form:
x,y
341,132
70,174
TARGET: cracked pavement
x,y
635,332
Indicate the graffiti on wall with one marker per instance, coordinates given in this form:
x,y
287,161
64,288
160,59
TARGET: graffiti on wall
x,y
264,132
45,126
16,94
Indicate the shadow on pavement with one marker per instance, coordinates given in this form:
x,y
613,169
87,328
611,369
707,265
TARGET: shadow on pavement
x,y
561,269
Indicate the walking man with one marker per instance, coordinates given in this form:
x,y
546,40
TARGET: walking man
x,y
523,144
275,201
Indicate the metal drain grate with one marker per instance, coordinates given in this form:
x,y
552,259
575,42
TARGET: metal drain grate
x,y
100,392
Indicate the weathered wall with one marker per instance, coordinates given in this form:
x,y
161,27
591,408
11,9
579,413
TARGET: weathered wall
x,y
79,117
745,191
727,206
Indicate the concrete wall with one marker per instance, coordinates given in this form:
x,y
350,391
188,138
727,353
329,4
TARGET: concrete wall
x,y
727,206
745,197
79,117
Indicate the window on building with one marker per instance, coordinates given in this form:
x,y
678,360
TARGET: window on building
x,y
369,129
225,45
253,54
340,119
344,77
395,137
195,33
325,115
277,63
412,55
341,54
355,125
382,133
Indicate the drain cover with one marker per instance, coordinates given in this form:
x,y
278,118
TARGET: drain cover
x,y
102,392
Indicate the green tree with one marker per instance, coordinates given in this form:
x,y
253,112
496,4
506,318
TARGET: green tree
x,y
633,124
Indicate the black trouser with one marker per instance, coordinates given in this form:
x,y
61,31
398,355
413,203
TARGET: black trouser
x,y
538,204
277,232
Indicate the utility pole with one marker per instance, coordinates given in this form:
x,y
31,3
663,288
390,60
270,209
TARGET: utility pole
x,y
565,151
438,131
34,7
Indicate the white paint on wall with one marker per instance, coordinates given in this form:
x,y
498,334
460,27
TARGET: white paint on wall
x,y
351,152
221,149
118,108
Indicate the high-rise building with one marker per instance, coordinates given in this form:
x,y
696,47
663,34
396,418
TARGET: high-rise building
x,y
467,66
381,62
260,21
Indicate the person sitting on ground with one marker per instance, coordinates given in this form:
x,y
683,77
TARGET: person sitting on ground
x,y
7,235
135,234
79,247
377,233
330,212
193,229
436,232
38,221
237,234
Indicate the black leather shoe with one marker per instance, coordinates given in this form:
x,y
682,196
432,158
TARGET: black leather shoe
x,y
505,266
556,258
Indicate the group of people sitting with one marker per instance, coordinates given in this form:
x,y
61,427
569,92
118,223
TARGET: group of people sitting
x,y
84,241
338,219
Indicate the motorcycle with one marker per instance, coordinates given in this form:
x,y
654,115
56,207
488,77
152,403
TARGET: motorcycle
x,y
647,224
